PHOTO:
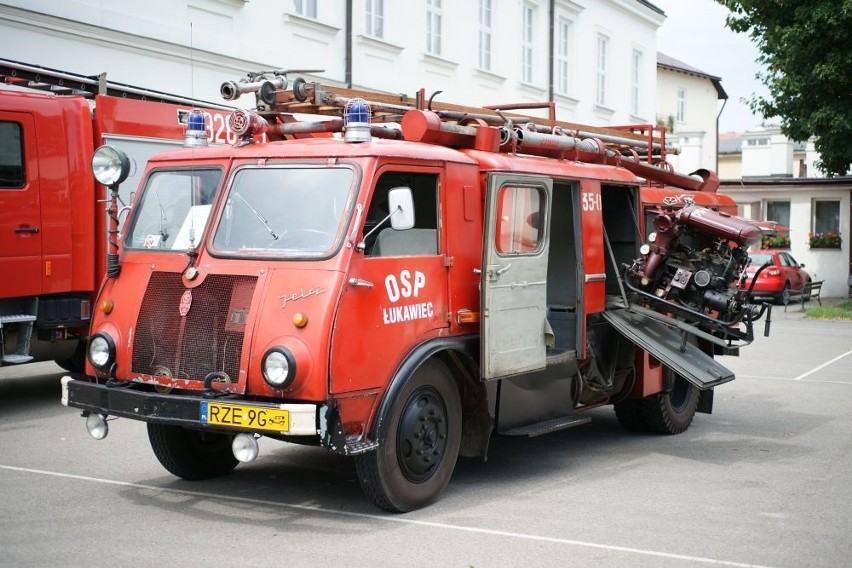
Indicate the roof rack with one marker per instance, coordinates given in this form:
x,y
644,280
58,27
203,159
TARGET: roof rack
x,y
639,148
59,82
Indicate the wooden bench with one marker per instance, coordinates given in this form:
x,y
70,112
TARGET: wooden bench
x,y
811,291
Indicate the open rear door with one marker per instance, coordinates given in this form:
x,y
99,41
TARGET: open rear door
x,y
666,343
514,274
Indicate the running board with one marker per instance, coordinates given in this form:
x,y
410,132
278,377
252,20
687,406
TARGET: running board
x,y
548,426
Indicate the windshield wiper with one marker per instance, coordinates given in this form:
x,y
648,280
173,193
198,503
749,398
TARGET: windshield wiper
x,y
164,222
258,215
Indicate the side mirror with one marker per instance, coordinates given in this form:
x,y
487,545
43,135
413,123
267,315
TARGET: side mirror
x,y
401,206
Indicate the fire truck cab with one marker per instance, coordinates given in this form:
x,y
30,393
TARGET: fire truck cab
x,y
401,294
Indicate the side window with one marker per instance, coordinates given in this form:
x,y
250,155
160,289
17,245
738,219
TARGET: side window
x,y
12,175
383,240
519,220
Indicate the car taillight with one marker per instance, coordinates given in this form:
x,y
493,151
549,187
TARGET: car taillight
x,y
773,271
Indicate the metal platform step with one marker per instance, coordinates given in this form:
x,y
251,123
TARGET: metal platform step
x,y
15,359
548,426
17,318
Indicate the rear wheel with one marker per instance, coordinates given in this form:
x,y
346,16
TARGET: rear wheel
x,y
413,466
785,294
192,454
629,414
671,412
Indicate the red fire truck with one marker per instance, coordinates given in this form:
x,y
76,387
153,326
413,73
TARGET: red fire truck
x,y
52,227
401,293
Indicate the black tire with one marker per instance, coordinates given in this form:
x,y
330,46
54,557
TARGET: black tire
x,y
629,414
76,363
671,412
192,454
414,464
784,298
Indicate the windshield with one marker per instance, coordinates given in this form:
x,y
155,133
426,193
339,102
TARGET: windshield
x,y
173,210
292,211
760,259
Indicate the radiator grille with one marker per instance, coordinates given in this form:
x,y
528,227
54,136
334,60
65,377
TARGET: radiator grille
x,y
209,338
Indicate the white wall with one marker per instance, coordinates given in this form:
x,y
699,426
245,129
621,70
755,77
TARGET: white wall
x,y
189,47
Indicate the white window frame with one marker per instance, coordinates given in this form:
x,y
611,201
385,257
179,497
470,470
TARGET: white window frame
x,y
306,8
601,68
564,36
485,14
681,104
636,83
433,27
374,12
528,15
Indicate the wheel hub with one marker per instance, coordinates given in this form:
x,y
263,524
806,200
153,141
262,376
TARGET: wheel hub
x,y
422,435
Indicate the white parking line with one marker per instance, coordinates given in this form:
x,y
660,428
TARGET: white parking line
x,y
394,519
814,381
826,364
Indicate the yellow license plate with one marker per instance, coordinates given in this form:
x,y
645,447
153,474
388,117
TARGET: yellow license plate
x,y
245,416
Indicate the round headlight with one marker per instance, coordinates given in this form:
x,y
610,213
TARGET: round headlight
x,y
101,351
279,367
110,165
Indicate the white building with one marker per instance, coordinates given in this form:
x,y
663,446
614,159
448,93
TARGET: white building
x,y
775,179
595,58
688,106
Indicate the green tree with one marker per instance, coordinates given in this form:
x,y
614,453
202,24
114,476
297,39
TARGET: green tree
x,y
806,48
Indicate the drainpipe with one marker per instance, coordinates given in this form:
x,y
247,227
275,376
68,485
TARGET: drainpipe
x,y
551,44
348,58
724,102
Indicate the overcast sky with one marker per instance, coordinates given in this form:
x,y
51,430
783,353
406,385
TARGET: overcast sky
x,y
694,32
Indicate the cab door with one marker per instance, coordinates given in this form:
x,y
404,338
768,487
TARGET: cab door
x,y
20,207
514,274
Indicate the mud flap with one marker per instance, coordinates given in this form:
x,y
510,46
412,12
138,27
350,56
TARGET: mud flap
x,y
666,344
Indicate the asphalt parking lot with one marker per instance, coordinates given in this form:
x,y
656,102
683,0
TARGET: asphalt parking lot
x,y
764,481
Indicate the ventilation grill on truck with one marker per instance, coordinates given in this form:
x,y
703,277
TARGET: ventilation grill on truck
x,y
208,338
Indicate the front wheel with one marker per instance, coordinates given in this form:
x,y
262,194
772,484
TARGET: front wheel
x,y
414,464
192,454
671,412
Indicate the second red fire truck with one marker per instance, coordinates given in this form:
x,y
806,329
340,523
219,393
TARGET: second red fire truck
x,y
401,294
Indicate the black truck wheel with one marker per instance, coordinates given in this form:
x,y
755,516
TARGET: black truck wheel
x,y
629,414
416,460
671,412
192,454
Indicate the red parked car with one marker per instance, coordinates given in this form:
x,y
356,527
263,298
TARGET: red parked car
x,y
781,279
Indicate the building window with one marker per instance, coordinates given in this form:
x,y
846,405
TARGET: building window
x,y
527,39
306,8
485,34
636,83
603,56
758,142
433,27
826,217
681,104
11,156
778,211
563,56
375,13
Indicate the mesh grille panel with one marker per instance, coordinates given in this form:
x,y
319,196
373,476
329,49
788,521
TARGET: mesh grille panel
x,y
209,338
